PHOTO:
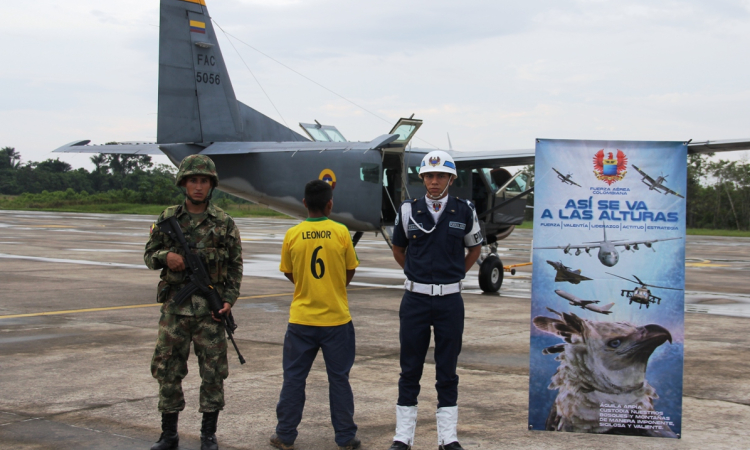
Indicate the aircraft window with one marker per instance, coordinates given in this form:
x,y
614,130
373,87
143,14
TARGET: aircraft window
x,y
318,135
335,136
519,184
462,178
404,131
413,176
488,177
369,172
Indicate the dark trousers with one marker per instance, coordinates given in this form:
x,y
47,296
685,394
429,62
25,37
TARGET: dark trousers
x,y
445,315
301,344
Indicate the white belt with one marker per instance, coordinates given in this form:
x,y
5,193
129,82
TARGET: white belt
x,y
433,289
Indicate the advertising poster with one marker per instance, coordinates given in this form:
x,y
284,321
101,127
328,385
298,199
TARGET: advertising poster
x,y
607,307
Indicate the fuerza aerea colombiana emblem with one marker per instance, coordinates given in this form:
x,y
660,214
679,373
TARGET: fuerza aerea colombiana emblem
x,y
609,168
329,177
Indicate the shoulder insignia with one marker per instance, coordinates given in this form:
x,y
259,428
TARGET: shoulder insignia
x,y
153,227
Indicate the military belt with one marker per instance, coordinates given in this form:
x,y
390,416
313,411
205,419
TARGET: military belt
x,y
433,289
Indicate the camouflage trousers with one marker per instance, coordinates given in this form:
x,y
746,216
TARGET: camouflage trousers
x,y
169,364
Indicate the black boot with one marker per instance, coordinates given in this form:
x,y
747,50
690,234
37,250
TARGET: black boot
x,y
208,431
169,438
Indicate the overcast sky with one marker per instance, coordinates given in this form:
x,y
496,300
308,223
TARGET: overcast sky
x,y
493,74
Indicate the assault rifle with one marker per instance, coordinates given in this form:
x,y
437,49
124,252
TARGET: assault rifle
x,y
199,282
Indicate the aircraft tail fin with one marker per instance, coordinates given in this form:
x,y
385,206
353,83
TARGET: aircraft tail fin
x,y
607,307
196,99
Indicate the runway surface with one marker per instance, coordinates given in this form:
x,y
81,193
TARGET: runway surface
x,y
78,322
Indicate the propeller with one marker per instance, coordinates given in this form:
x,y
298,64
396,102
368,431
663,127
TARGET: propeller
x,y
642,283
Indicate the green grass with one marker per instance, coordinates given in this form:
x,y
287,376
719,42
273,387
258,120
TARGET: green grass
x,y
152,210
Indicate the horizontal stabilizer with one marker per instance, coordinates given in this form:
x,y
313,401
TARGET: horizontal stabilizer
x,y
125,148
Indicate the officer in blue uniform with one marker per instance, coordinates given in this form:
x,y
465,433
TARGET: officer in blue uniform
x,y
429,241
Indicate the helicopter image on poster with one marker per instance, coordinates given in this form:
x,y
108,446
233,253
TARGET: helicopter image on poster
x,y
656,184
641,294
567,179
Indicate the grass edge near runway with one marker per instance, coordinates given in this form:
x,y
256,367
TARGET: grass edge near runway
x,y
236,211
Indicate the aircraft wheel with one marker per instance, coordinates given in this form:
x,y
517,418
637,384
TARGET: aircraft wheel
x,y
491,274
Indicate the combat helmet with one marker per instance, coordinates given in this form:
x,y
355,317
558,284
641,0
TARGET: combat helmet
x,y
197,165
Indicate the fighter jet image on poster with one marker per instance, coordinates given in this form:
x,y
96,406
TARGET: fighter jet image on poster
x,y
641,294
602,365
608,254
657,184
565,273
585,304
566,178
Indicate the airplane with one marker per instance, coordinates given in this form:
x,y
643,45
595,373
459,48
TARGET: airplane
x,y
565,273
263,161
641,294
608,254
657,184
585,304
566,178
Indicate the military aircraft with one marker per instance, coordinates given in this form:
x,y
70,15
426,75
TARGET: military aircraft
x,y
565,273
641,294
657,184
566,178
608,254
263,161
585,304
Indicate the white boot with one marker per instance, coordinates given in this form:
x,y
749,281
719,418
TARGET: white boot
x,y
406,424
447,419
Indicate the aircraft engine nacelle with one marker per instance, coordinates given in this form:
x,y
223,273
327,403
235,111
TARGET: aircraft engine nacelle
x,y
578,252
635,247
647,244
566,250
627,247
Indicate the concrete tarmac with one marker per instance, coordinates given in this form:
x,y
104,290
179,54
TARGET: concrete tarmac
x,y
78,322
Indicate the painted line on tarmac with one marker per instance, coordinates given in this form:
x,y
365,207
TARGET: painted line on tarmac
x,y
73,261
113,308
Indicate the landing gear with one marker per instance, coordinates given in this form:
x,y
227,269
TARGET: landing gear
x,y
491,274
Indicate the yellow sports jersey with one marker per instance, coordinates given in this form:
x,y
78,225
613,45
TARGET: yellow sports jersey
x,y
318,252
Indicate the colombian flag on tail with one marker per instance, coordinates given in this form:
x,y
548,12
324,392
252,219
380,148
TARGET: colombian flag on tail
x,y
197,27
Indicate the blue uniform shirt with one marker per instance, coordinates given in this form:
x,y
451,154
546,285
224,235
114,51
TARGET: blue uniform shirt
x,y
437,257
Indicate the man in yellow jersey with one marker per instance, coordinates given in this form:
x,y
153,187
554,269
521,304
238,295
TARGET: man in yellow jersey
x,y
319,258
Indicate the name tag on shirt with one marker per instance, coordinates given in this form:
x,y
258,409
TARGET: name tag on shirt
x,y
459,225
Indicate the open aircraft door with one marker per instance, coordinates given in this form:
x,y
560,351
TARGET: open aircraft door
x,y
395,184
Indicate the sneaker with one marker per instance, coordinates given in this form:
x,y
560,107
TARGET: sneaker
x,y
278,443
351,445
398,445
451,446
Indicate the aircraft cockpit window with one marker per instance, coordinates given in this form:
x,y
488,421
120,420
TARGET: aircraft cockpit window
x,y
404,131
489,179
519,184
369,172
335,135
463,179
318,134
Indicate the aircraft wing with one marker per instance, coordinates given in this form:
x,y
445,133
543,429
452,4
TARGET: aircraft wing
x,y
573,182
718,146
646,242
228,148
125,148
644,174
475,160
669,191
581,246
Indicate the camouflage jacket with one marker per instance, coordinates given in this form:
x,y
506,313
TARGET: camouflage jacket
x,y
216,240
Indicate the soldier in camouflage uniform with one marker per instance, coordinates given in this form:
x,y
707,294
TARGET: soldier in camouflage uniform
x,y
215,238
